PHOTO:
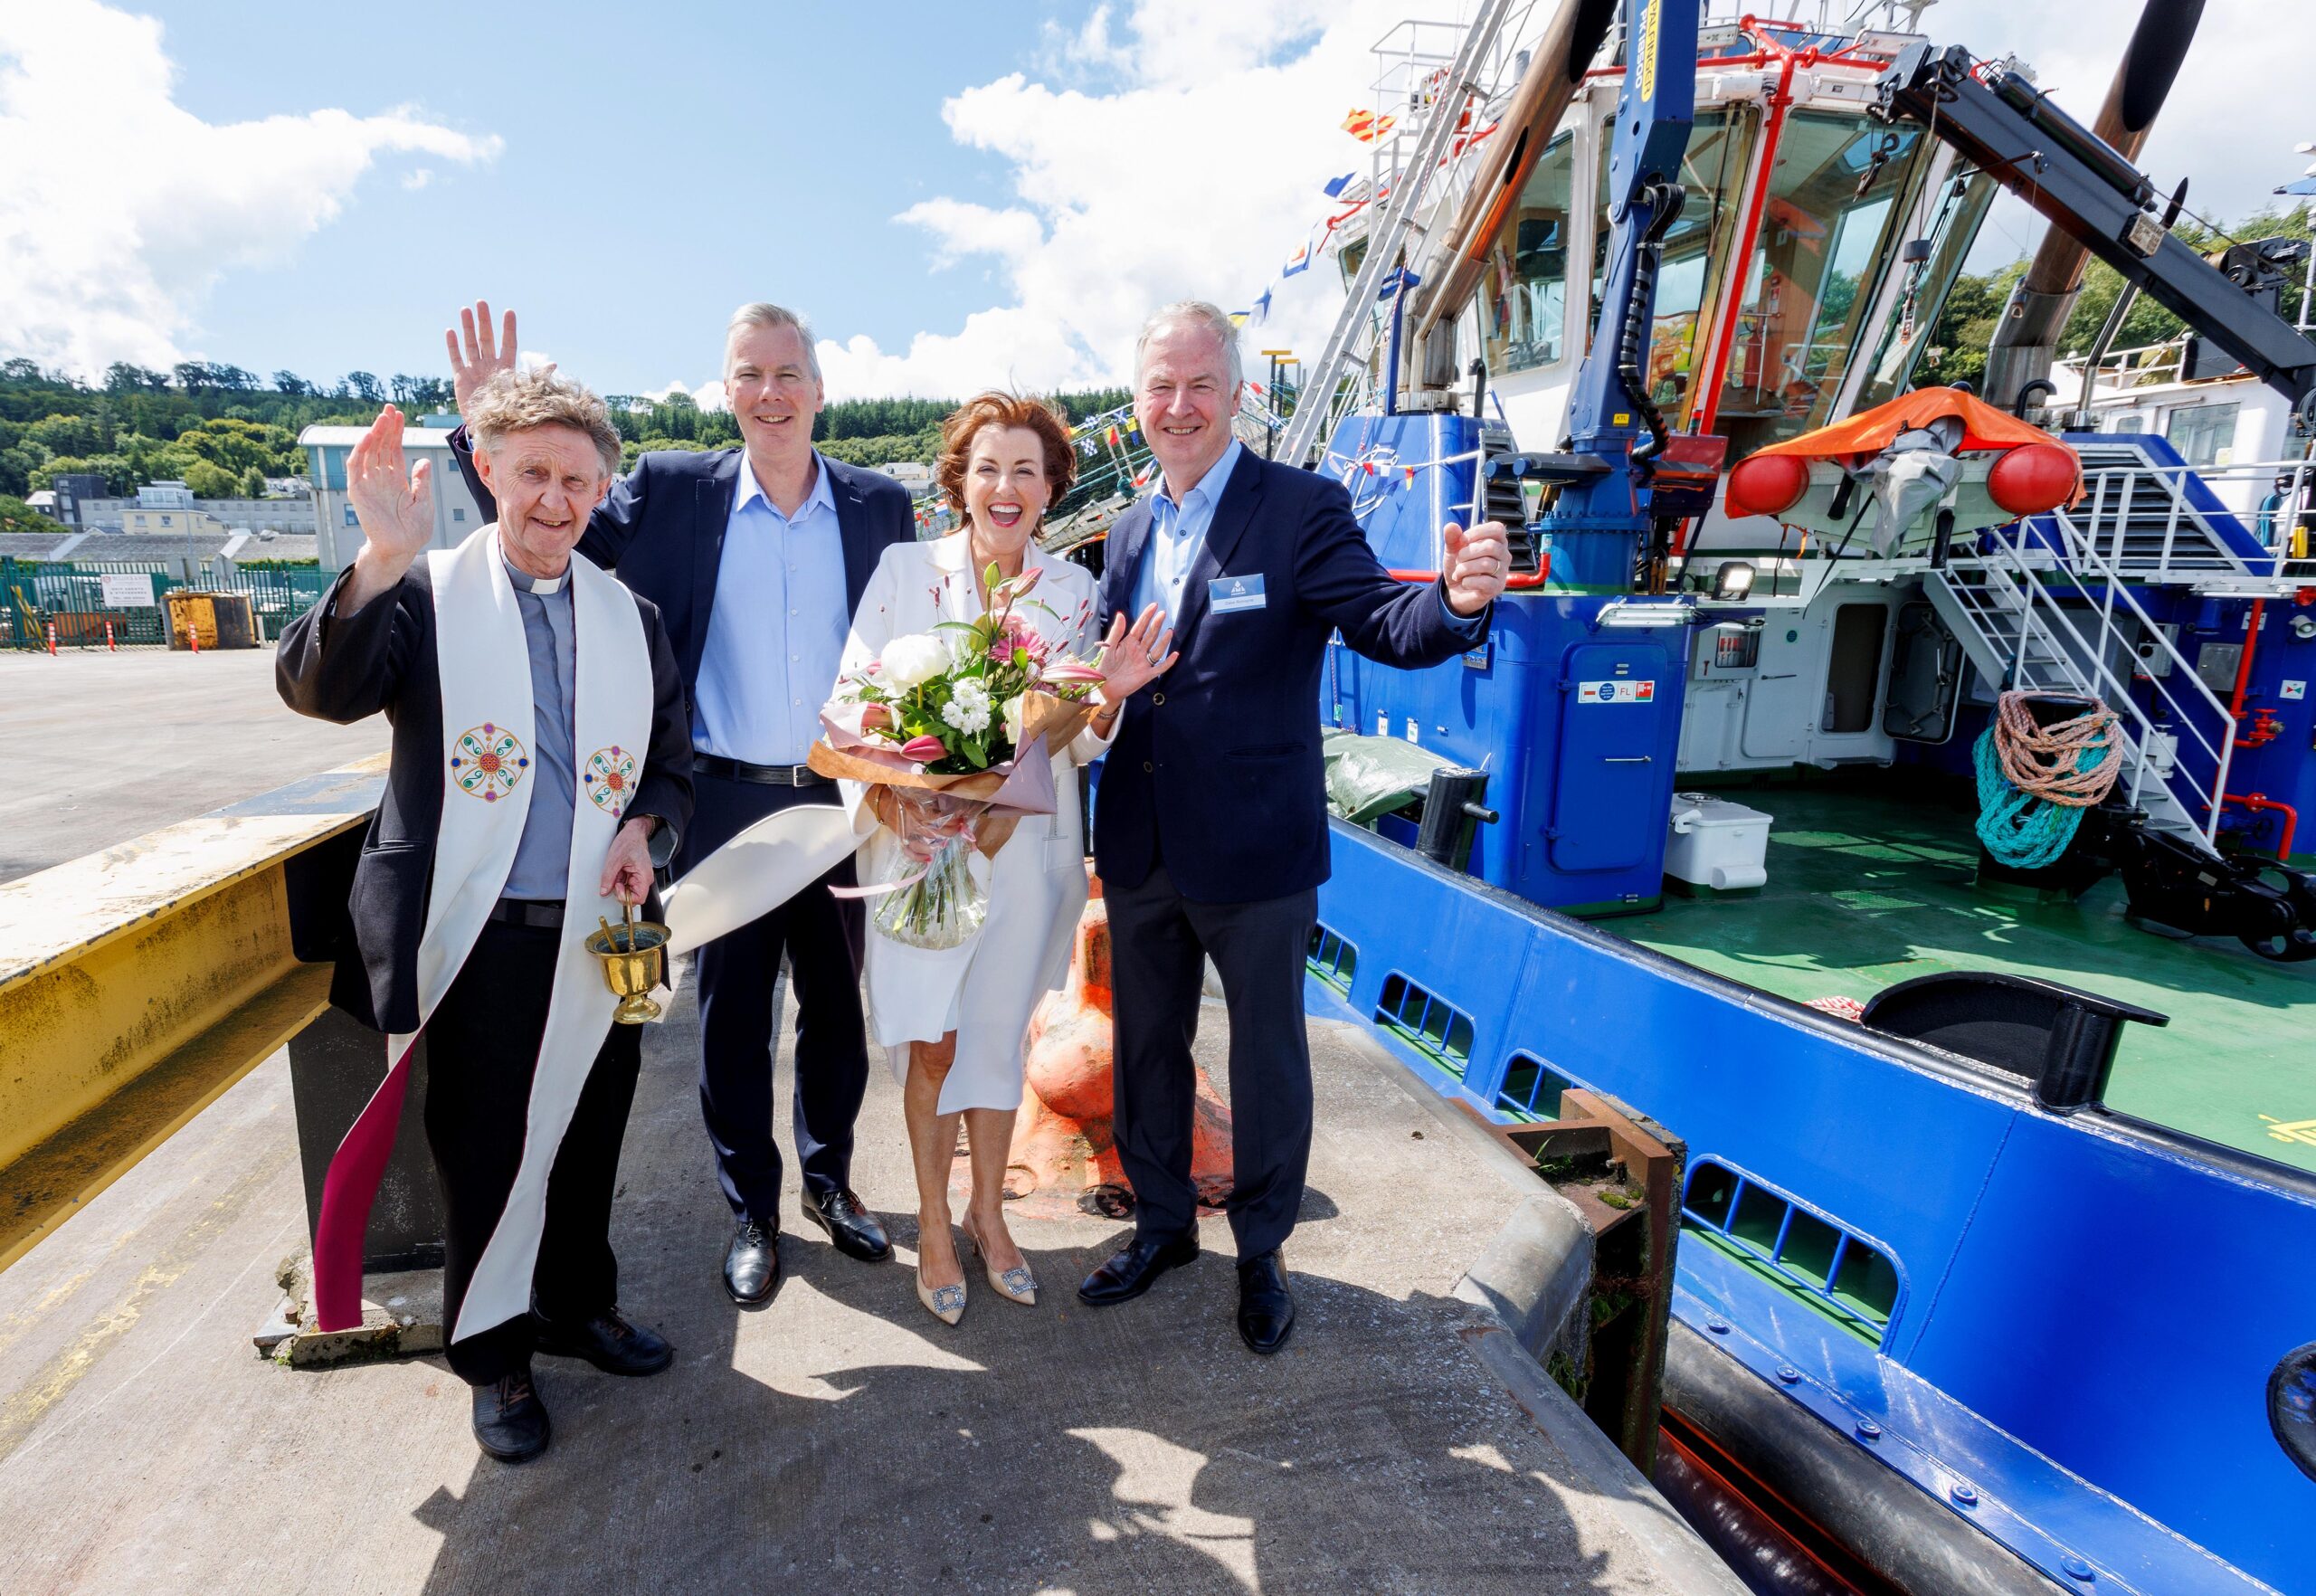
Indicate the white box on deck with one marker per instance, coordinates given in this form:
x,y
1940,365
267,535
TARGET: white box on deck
x,y
1716,843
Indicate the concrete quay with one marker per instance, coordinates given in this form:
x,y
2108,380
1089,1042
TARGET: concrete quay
x,y
840,1437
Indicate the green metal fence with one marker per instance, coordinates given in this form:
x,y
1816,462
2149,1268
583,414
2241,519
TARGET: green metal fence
x,y
72,598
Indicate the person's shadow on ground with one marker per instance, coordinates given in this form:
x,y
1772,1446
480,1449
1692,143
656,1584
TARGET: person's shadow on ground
x,y
842,1438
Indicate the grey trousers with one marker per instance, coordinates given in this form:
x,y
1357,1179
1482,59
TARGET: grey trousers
x,y
1159,941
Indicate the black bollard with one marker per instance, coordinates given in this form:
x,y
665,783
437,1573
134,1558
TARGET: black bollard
x,y
1451,814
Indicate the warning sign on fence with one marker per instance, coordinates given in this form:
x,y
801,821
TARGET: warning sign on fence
x,y
127,590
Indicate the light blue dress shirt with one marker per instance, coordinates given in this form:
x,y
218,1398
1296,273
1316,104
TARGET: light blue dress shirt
x,y
775,636
542,865
1177,533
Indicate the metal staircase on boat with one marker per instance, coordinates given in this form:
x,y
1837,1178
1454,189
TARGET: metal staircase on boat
x,y
2157,522
2143,521
2027,619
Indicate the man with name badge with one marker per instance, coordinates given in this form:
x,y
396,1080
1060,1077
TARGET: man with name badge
x,y
541,757
757,557
1211,825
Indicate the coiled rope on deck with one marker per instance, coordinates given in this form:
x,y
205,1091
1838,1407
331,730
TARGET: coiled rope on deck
x,y
2035,780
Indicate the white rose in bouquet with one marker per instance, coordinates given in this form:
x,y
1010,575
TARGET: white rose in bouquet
x,y
912,660
969,708
1013,719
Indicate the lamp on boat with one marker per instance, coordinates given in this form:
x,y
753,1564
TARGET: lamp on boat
x,y
1733,581
1634,615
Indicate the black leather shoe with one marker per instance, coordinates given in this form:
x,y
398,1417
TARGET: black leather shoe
x,y
509,1419
853,1229
1265,1306
608,1341
751,1265
1134,1268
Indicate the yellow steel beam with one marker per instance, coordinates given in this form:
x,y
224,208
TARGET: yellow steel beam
x,y
140,982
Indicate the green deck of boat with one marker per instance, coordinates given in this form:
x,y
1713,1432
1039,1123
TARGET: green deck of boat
x,y
1867,889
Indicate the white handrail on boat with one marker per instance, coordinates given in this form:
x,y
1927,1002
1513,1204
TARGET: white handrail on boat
x,y
2113,494
2044,629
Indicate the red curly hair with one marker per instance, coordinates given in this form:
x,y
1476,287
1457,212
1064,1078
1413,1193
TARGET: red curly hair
x,y
994,409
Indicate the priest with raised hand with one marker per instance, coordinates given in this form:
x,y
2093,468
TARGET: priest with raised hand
x,y
541,765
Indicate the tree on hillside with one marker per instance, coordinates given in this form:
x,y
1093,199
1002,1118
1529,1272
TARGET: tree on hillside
x,y
122,377
1966,323
417,392
70,434
120,478
291,383
16,515
365,387
253,483
209,481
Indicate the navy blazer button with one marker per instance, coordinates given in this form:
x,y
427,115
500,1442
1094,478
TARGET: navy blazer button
x,y
1147,767
1157,697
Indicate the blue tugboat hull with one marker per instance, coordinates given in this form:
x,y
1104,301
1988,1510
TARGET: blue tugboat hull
x,y
2083,1312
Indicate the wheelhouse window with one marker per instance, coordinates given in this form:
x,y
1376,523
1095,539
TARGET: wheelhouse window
x,y
2202,433
1523,292
1696,251
1838,200
1957,211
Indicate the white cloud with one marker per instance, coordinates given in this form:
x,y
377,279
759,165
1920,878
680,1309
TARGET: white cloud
x,y
1187,157
120,209
707,395
2239,105
414,181
961,229
1191,167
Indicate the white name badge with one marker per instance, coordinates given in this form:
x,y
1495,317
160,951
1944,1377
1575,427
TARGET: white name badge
x,y
1226,593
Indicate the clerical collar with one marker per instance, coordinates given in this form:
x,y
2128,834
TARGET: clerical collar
x,y
526,583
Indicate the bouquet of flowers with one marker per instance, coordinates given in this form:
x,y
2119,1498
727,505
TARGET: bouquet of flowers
x,y
957,724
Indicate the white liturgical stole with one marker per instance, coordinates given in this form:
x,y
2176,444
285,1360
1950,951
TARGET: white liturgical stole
x,y
488,736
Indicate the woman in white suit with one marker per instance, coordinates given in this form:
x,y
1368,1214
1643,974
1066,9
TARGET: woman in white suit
x,y
955,1020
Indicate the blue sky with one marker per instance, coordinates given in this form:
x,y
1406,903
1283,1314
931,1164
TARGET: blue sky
x,y
651,177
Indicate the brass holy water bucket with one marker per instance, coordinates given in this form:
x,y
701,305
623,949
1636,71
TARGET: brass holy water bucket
x,y
634,955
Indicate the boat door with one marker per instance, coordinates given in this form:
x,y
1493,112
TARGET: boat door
x,y
1783,704
1607,813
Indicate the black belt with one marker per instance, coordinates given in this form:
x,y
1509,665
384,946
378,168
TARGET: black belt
x,y
764,776
543,912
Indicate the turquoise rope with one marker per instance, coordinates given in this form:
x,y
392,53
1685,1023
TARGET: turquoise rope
x,y
2020,830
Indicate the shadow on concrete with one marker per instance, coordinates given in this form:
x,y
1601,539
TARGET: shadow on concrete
x,y
843,1438
1029,1458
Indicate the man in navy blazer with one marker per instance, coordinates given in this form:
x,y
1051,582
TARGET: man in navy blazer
x,y
1210,831
756,558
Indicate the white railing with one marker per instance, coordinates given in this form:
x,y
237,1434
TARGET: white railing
x,y
2115,507
1846,18
2048,649
2120,370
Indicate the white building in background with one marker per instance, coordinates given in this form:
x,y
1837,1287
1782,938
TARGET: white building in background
x,y
338,536
175,515
912,474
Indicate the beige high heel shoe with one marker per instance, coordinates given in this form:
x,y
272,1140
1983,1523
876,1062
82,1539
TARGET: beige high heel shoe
x,y
944,1303
1014,1284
